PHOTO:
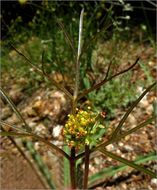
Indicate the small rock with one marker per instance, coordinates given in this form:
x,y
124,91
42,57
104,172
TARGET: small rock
x,y
13,119
31,124
91,168
16,94
118,151
128,148
57,130
97,161
37,105
110,159
57,143
127,138
149,109
154,182
121,144
40,129
132,120
31,112
38,97
152,63
5,113
110,147
144,102
124,186
150,188
36,146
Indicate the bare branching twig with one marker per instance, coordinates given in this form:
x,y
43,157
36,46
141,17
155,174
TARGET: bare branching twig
x,y
94,87
108,70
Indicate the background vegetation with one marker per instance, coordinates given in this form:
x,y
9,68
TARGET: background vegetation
x,y
35,29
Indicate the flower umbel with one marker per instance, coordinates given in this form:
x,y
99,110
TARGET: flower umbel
x,y
79,127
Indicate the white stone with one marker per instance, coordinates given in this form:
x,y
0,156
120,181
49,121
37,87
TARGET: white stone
x,y
110,147
57,130
129,148
154,181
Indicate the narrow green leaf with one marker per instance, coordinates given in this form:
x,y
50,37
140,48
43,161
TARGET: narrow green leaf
x,y
3,123
66,168
40,164
119,137
118,128
54,147
111,171
127,162
15,109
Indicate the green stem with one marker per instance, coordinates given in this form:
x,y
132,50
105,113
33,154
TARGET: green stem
x,y
78,56
72,168
73,106
87,153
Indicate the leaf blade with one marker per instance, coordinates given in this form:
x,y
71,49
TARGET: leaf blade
x,y
127,162
66,168
110,141
110,171
118,138
43,168
54,147
12,105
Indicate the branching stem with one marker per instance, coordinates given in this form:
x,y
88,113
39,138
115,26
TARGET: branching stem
x,y
72,168
96,86
52,146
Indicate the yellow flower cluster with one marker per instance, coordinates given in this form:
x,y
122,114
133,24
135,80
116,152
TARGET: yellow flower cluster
x,y
78,127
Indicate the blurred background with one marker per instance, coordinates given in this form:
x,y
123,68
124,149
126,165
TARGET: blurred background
x,y
115,32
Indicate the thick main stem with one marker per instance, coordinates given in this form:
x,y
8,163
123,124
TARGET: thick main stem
x,y
85,183
72,168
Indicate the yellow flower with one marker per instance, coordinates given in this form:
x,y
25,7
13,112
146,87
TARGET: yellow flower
x,y
77,127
